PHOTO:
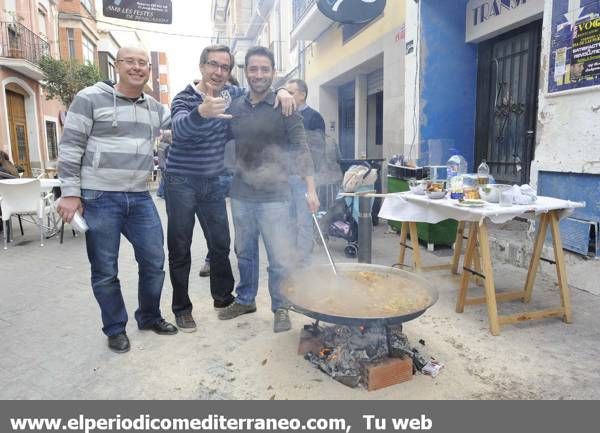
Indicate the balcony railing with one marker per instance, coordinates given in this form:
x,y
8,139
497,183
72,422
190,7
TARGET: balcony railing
x,y
300,8
18,42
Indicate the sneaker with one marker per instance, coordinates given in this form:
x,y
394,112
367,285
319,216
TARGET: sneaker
x,y
205,270
119,343
281,321
234,310
162,327
186,322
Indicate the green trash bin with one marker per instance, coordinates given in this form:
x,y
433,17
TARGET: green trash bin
x,y
442,233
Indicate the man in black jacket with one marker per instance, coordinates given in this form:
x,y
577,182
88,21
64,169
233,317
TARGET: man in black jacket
x,y
301,218
265,142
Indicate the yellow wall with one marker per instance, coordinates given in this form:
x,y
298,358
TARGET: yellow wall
x,y
328,50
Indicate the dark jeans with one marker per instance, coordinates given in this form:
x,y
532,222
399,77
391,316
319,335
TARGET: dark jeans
x,y
108,215
225,180
186,197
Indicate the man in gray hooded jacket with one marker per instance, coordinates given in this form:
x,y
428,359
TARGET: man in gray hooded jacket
x,y
105,158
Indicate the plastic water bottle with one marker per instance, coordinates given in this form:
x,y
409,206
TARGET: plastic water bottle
x,y
483,173
455,168
78,223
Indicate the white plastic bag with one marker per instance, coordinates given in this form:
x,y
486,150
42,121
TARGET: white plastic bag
x,y
357,176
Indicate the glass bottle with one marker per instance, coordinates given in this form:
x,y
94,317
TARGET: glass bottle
x,y
456,167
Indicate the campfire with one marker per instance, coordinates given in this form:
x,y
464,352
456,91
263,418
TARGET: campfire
x,y
373,356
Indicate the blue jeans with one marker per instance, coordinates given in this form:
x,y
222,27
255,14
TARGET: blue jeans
x,y
271,221
160,192
189,197
302,223
133,214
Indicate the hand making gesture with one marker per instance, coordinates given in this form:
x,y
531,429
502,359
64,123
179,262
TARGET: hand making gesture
x,y
213,105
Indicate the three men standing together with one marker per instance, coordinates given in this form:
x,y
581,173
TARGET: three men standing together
x,y
110,129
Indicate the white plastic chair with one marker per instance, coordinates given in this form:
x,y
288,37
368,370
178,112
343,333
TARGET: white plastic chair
x,y
38,173
22,197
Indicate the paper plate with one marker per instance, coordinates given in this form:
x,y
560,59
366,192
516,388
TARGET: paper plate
x,y
471,203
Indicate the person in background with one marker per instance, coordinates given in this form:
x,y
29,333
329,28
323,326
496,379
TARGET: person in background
x,y
193,184
105,158
7,171
265,141
7,167
314,126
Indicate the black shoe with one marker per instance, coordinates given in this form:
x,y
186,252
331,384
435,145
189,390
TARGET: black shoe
x,y
223,304
235,310
162,327
186,322
119,343
205,270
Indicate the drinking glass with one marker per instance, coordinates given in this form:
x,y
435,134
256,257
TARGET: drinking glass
x,y
506,196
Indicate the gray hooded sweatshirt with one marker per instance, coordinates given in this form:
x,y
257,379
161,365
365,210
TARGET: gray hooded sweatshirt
x,y
108,141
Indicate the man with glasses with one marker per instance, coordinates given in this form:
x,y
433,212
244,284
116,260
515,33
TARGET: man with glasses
x,y
194,184
105,158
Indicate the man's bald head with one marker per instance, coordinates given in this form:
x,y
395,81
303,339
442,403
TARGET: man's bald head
x,y
132,51
133,68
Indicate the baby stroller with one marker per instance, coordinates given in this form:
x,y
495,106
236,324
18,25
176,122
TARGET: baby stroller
x,y
341,219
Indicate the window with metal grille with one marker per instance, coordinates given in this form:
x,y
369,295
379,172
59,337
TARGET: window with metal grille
x,y
52,140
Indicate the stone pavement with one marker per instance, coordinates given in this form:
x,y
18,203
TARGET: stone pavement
x,y
53,347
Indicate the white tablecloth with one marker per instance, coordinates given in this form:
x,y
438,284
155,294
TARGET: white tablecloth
x,y
406,206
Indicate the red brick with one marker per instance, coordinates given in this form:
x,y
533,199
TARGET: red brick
x,y
309,343
387,372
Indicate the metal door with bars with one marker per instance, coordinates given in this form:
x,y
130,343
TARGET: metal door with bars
x,y
507,85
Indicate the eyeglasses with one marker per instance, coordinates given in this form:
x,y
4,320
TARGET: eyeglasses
x,y
133,62
215,65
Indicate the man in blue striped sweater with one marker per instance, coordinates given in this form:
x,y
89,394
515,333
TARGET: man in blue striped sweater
x,y
105,158
194,184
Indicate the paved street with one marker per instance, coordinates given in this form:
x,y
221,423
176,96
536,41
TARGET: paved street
x,y
53,347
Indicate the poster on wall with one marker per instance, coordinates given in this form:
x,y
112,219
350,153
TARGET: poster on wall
x,y
574,45
150,11
585,53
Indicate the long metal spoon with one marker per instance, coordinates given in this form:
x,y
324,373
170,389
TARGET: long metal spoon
x,y
324,244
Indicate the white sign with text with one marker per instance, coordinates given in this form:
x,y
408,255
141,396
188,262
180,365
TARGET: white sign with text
x,y
488,18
